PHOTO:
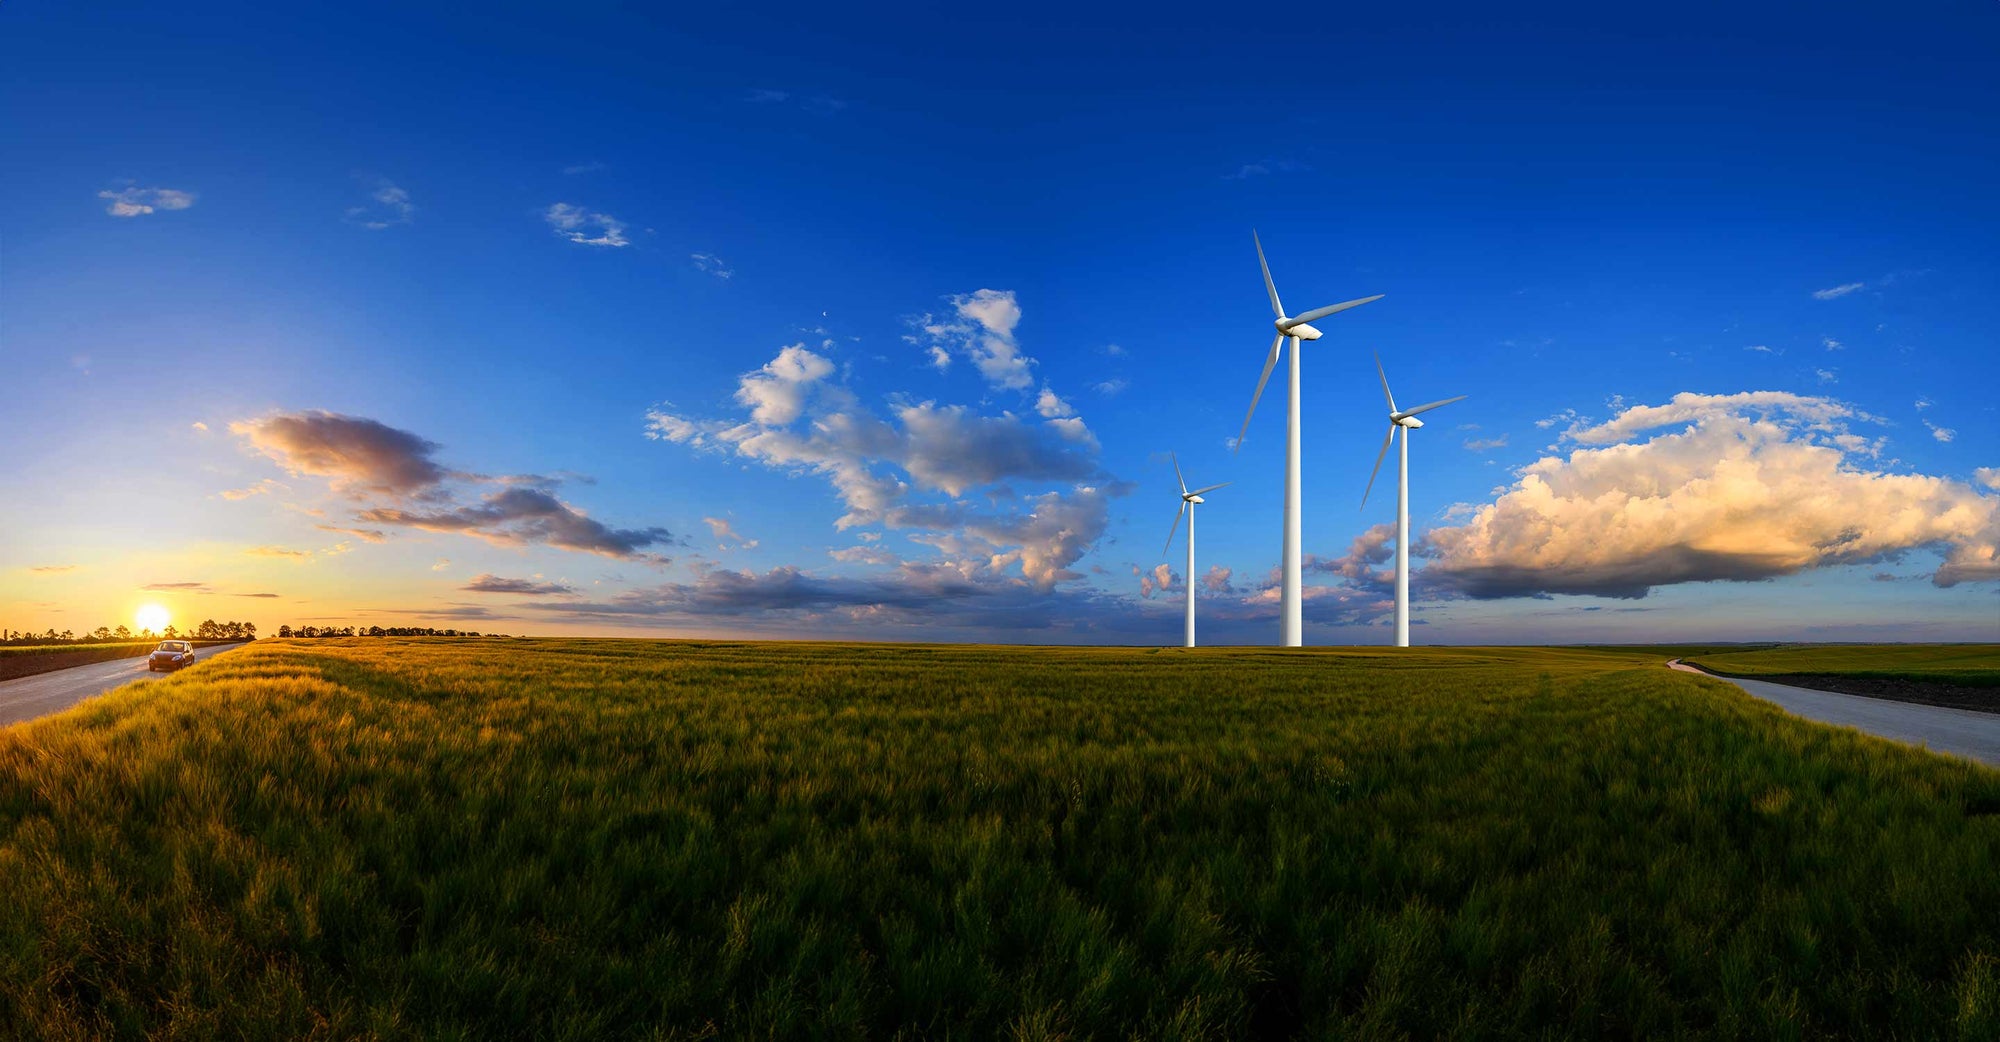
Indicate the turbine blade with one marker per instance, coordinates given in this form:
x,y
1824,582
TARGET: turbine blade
x,y
1270,360
1210,488
1391,436
1433,405
1171,532
1276,308
1319,313
1177,472
1385,383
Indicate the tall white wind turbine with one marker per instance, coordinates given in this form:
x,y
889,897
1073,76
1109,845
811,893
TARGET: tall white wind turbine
x,y
1297,327
1406,421
1189,500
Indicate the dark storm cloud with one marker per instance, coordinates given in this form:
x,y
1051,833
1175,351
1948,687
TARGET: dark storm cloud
x,y
402,484
521,516
355,454
489,583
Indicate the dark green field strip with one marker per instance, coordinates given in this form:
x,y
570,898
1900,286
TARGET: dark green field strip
x,y
410,838
1965,665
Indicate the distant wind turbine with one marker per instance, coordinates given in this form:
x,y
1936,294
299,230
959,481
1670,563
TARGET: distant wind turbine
x,y
1298,328
1189,500
1406,421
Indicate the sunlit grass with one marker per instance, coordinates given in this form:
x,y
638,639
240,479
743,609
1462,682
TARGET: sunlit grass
x,y
411,838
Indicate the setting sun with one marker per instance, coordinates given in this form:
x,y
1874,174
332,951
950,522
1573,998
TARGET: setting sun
x,y
151,617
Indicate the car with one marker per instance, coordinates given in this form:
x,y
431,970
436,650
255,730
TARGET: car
x,y
170,655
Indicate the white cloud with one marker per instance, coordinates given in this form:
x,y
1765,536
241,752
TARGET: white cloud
x,y
1110,387
261,488
725,533
199,426
711,264
1749,486
864,555
1988,476
1827,376
916,469
1824,414
1837,291
1944,434
1831,343
1485,444
1161,579
387,207
1051,406
589,167
134,201
1072,429
777,392
584,227
1923,403
441,565
1566,416
1762,348
984,333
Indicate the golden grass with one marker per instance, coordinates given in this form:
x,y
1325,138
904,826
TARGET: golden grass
x,y
436,838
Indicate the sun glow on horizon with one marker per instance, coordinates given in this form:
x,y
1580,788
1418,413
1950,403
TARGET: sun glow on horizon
x,y
151,617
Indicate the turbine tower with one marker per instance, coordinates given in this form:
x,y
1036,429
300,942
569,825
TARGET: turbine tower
x,y
1297,327
1406,421
1189,500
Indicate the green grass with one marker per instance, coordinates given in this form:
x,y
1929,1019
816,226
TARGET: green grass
x,y
1972,665
480,839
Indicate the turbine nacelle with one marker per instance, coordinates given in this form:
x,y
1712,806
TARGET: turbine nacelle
x,y
1404,418
1189,500
1302,330
1298,326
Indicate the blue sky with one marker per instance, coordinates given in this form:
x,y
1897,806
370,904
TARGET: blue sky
x,y
475,317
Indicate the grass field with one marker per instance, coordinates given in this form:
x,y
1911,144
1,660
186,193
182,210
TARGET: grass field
x,y
1971,665
479,839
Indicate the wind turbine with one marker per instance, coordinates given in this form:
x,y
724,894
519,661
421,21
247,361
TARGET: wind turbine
x,y
1406,421
1298,328
1189,500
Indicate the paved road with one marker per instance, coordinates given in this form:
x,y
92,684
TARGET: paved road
x,y
1961,732
46,693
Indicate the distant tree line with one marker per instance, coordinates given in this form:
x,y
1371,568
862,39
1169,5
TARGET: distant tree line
x,y
208,630
374,631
